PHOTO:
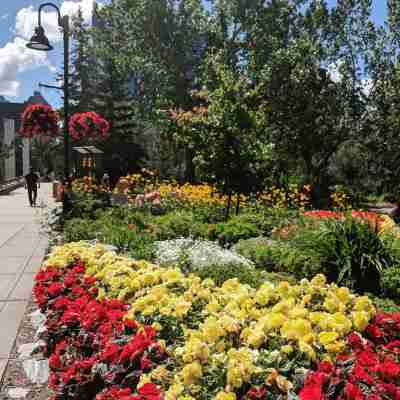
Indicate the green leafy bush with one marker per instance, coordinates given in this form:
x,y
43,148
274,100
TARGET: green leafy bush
x,y
85,205
179,224
384,304
391,282
273,219
78,229
257,250
221,273
348,252
237,228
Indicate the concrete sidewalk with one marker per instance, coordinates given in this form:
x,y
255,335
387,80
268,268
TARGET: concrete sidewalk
x,y
22,248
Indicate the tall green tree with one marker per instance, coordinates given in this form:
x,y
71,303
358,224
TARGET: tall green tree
x,y
227,133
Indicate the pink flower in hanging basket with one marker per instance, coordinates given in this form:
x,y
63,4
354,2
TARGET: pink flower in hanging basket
x,y
39,119
88,125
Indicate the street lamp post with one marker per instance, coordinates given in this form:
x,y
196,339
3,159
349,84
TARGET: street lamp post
x,y
40,42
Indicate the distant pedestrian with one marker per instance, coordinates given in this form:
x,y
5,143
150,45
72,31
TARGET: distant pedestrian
x,y
32,184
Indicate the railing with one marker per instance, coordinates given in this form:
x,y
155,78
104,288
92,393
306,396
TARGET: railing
x,y
9,185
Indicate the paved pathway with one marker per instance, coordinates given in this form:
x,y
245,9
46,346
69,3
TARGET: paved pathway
x,y
22,248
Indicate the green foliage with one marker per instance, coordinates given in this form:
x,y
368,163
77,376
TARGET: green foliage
x,y
77,229
391,282
237,228
257,250
86,204
348,252
272,219
179,224
221,273
384,304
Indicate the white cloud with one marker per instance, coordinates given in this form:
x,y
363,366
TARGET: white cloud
x,y
5,16
27,18
15,57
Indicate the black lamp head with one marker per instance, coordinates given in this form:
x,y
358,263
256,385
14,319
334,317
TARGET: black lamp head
x,y
39,41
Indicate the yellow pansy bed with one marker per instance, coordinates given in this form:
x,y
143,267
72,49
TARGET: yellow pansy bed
x,y
222,338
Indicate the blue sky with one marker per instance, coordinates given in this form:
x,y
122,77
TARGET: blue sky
x,y
21,70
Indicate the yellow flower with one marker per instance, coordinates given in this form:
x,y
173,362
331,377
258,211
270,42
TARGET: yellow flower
x,y
191,373
287,349
331,305
296,329
212,330
307,349
364,304
225,396
318,280
343,294
360,320
335,347
327,337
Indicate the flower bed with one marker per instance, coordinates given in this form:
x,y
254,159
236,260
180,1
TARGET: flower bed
x,y
110,319
89,344
370,369
376,221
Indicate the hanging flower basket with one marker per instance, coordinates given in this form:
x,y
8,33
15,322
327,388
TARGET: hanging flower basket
x,y
39,119
88,126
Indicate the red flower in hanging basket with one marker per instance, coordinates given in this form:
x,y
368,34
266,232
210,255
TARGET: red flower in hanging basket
x,y
89,125
39,119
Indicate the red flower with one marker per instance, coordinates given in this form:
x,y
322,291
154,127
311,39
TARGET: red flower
x,y
150,392
55,289
360,375
353,392
389,369
145,364
326,367
312,392
39,119
89,125
55,361
110,353
257,393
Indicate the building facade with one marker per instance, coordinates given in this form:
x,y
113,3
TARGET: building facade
x,y
16,160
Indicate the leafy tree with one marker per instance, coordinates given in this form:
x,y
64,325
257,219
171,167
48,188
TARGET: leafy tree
x,y
162,50
225,132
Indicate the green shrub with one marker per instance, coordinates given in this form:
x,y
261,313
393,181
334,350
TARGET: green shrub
x,y
348,252
221,273
272,219
78,229
257,250
391,282
85,205
297,261
237,228
179,224
384,304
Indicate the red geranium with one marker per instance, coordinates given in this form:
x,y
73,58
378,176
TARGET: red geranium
x,y
39,119
89,344
370,370
88,126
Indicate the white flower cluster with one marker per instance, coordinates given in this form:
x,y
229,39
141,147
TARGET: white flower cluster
x,y
196,254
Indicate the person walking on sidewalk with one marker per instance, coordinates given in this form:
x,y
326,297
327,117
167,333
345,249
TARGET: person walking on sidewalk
x,y
32,184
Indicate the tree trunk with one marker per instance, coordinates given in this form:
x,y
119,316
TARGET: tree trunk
x,y
237,204
189,165
228,206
